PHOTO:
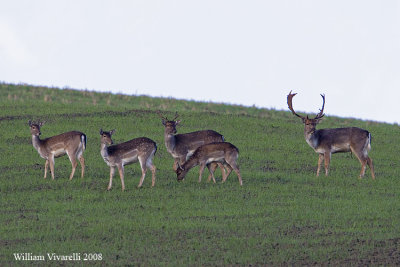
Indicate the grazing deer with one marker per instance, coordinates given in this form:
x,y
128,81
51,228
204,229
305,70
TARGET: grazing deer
x,y
328,141
139,149
223,152
181,146
71,143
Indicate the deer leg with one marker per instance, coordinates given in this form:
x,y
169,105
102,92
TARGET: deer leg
x,y
82,161
363,166
112,170
320,159
202,166
371,167
144,170
178,162
327,157
51,161
149,164
363,162
46,165
221,166
236,169
121,175
214,167
227,172
74,164
231,162
175,166
211,168
153,174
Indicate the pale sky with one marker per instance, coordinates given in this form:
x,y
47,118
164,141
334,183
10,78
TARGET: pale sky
x,y
240,52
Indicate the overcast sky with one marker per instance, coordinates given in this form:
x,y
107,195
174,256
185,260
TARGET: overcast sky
x,y
241,52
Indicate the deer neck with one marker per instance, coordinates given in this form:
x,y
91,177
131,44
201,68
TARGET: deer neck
x,y
104,151
190,163
310,136
170,142
36,142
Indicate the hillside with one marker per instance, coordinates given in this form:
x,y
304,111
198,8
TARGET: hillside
x,y
283,214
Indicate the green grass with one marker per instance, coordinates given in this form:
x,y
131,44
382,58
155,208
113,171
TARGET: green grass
x,y
282,215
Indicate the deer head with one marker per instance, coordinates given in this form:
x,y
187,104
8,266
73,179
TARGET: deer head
x,y
106,137
180,173
308,122
35,127
170,125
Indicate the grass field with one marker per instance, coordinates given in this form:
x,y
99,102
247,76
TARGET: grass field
x,y
282,215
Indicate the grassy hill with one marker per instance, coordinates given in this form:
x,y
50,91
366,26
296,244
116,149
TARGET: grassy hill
x,y
282,214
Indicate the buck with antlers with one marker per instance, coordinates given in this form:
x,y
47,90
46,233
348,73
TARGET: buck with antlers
x,y
71,143
139,149
181,146
328,141
223,152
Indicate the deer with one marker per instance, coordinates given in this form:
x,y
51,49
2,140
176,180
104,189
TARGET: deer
x,y
181,146
326,142
222,152
140,149
71,143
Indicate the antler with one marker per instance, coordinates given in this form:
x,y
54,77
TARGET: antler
x,y
40,123
289,102
165,118
176,116
161,116
321,111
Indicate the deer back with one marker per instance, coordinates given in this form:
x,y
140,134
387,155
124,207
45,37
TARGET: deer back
x,y
60,144
213,152
189,142
141,145
340,139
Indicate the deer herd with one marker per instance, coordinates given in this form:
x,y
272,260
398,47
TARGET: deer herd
x,y
206,148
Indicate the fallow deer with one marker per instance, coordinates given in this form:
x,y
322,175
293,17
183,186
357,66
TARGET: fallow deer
x,y
140,149
181,146
71,143
328,141
223,152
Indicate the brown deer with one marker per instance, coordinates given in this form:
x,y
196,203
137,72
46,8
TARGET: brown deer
x,y
71,143
140,149
328,141
223,152
181,146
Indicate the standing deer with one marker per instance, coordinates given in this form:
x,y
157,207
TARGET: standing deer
x,y
328,141
71,143
181,146
139,149
223,152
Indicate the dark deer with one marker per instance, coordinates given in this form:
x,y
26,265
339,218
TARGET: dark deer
x,y
223,152
328,141
71,143
181,146
139,149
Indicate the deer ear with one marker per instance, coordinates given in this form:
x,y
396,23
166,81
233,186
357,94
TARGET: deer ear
x,y
177,122
101,131
112,131
163,122
41,123
30,123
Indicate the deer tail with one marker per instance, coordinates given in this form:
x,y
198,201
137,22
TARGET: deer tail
x,y
369,140
83,140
